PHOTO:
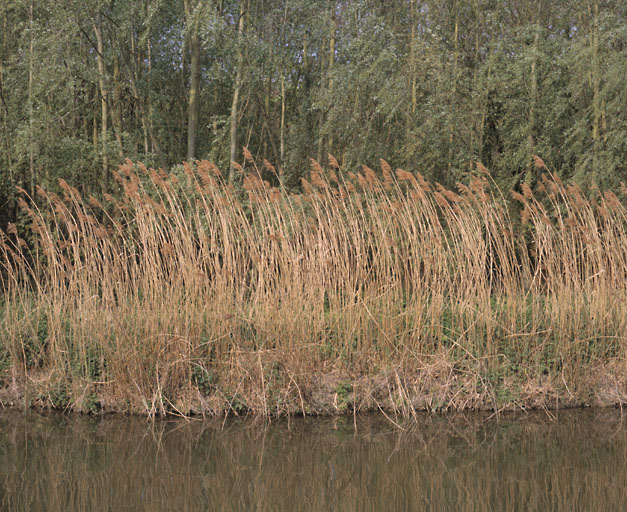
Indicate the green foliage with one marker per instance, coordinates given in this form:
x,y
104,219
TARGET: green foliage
x,y
5,363
33,342
90,365
237,404
92,404
344,393
202,379
430,86
57,395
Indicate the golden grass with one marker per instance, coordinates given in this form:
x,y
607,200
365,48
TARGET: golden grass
x,y
182,293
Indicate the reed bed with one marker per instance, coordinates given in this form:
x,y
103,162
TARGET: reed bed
x,y
370,290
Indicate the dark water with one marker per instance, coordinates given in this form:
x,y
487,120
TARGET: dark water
x,y
520,462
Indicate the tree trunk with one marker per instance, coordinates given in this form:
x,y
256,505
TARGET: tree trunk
x,y
266,71
596,88
194,47
183,100
480,91
94,124
412,53
282,133
331,65
453,92
283,101
322,113
104,97
117,107
236,91
483,115
306,54
7,143
31,159
329,69
149,92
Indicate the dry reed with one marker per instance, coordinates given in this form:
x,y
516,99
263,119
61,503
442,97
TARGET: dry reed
x,y
182,294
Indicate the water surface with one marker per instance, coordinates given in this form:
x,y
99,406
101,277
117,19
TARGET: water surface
x,y
577,461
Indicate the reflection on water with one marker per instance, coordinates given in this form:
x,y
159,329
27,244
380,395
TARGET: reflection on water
x,y
520,462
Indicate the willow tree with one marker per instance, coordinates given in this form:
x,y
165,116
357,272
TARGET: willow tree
x,y
596,139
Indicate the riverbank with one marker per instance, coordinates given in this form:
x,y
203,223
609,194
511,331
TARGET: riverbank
x,y
375,291
271,389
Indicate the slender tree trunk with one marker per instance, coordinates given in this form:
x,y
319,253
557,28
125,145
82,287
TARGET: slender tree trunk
x,y
182,103
6,141
412,53
131,64
266,113
329,80
149,102
266,128
596,88
283,100
94,124
104,98
480,91
282,132
331,66
31,159
484,113
453,98
236,91
117,107
306,54
193,105
149,92
323,64
267,73
214,122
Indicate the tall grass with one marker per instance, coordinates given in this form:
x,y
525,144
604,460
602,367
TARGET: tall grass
x,y
182,293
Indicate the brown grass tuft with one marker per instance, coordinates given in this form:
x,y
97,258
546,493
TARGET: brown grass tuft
x,y
482,169
248,156
538,162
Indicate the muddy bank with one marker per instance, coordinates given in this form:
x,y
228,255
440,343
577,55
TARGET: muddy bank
x,y
273,390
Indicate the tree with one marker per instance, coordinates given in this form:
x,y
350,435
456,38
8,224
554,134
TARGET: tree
x,y
192,20
428,85
237,88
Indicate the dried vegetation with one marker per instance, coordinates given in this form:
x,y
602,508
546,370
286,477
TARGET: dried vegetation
x,y
375,290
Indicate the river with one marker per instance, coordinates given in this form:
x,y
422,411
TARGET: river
x,y
563,460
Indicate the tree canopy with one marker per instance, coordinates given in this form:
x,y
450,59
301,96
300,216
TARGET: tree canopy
x,y
428,85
